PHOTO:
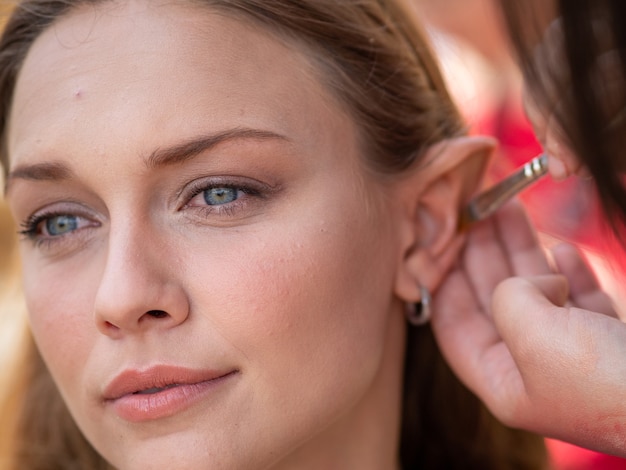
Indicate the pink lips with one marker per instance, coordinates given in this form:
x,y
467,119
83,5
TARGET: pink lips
x,y
160,391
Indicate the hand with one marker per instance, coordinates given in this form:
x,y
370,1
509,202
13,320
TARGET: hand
x,y
544,351
562,161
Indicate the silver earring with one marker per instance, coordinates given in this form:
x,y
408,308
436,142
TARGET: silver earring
x,y
419,313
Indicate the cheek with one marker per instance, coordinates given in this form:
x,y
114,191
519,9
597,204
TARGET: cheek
x,y
59,308
307,303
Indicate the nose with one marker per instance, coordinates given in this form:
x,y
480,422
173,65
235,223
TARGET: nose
x,y
139,290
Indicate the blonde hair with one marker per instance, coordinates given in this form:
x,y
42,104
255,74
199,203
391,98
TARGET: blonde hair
x,y
376,61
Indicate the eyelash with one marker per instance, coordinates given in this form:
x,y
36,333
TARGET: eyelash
x,y
32,225
32,228
196,188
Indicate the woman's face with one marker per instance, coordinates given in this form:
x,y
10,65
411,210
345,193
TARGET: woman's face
x,y
208,265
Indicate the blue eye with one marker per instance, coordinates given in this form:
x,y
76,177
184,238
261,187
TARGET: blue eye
x,y
223,198
55,226
220,195
60,224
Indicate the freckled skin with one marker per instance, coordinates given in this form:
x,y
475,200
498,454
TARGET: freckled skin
x,y
292,289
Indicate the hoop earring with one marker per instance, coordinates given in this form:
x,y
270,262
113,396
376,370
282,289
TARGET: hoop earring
x,y
419,313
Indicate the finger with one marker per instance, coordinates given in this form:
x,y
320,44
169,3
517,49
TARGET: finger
x,y
520,243
569,360
525,311
562,162
585,290
485,262
455,301
465,335
549,341
554,287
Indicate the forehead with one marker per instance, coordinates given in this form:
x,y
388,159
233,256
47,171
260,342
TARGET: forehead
x,y
160,61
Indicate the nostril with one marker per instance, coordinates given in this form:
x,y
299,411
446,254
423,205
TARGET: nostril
x,y
110,325
157,313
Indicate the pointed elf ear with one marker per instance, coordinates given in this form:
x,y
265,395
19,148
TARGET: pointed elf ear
x,y
434,194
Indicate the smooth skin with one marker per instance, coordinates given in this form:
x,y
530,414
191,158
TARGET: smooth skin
x,y
272,254
538,342
269,285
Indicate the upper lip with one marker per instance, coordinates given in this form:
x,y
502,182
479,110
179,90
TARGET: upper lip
x,y
160,376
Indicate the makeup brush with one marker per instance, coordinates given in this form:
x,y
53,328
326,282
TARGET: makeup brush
x,y
489,201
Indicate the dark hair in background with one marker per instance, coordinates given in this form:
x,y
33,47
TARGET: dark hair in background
x,y
373,58
579,75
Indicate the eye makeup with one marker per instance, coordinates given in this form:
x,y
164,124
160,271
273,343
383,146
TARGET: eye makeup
x,y
489,201
58,220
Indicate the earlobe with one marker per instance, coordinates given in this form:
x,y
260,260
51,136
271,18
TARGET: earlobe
x,y
435,192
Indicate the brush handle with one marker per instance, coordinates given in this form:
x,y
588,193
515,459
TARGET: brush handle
x,y
486,203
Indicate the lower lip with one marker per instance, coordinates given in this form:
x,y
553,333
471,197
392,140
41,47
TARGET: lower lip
x,y
138,408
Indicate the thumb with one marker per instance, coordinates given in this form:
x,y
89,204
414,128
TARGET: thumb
x,y
555,287
518,293
524,308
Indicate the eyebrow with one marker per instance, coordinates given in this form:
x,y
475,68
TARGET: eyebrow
x,y
176,154
187,150
47,171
